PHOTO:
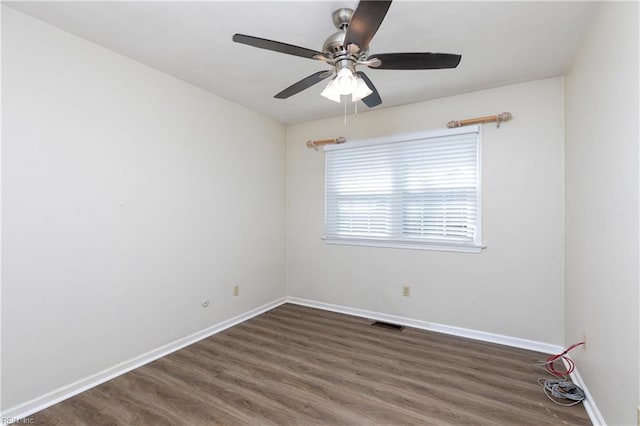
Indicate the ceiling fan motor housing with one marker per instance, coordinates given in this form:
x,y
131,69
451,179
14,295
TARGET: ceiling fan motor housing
x,y
334,44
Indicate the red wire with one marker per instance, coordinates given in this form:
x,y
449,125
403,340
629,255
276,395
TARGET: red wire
x,y
550,365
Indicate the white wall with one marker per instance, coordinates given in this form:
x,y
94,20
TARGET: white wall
x,y
601,225
128,197
514,287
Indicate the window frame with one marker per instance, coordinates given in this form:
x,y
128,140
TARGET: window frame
x,y
474,247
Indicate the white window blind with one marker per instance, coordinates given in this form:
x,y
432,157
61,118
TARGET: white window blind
x,y
420,190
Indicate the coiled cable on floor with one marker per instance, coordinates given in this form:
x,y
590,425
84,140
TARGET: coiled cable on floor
x,y
562,389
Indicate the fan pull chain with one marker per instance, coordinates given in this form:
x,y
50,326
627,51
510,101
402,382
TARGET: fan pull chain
x,y
345,113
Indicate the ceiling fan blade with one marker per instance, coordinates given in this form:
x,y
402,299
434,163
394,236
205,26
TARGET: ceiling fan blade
x,y
414,61
374,98
305,83
365,22
277,46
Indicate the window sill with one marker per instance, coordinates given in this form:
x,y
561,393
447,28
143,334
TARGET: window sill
x,y
463,248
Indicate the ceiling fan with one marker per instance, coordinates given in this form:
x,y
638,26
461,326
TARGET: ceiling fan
x,y
348,48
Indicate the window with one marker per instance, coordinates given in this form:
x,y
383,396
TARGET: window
x,y
415,191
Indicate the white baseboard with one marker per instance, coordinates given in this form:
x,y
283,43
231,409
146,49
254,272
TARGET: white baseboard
x,y
440,328
589,404
12,415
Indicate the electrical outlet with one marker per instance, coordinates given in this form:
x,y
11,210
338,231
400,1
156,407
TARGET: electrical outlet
x,y
584,340
406,291
236,290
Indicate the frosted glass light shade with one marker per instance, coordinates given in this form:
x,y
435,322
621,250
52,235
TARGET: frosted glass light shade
x,y
361,91
331,91
346,81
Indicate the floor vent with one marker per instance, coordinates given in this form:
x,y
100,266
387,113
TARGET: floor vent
x,y
388,325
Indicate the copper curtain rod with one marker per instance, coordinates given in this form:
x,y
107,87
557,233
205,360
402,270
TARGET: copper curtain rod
x,y
499,118
316,144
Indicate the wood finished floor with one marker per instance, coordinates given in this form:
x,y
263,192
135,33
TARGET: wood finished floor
x,y
295,365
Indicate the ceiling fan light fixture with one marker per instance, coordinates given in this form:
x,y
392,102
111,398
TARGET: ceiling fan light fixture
x,y
345,81
331,92
361,91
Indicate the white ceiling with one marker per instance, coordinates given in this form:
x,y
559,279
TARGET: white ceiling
x,y
500,43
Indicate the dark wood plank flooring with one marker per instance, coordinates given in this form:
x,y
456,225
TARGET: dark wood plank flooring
x,y
295,365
